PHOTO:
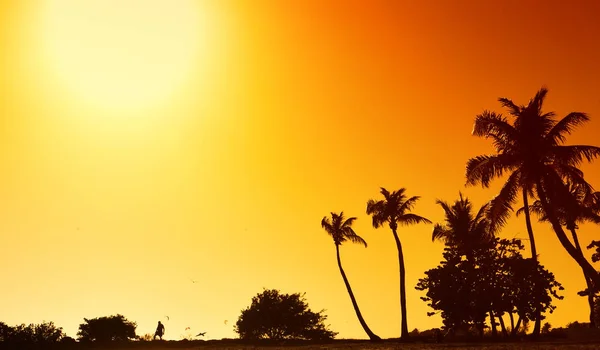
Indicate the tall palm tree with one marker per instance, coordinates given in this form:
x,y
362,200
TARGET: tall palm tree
x,y
531,150
340,229
575,204
395,209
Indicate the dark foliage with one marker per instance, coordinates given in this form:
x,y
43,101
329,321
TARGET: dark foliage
x,y
596,246
108,328
273,315
495,278
43,333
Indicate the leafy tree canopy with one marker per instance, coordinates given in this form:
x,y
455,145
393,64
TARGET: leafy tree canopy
x,y
497,279
274,315
46,332
107,328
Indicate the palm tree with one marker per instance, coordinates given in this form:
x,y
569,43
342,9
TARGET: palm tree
x,y
463,230
531,150
340,229
575,204
395,209
466,233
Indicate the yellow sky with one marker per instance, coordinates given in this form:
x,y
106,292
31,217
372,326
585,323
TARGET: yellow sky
x,y
209,148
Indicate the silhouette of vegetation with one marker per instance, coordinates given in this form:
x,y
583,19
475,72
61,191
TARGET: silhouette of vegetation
x,y
107,328
395,209
273,315
531,151
465,233
43,333
483,274
578,204
462,230
340,229
482,278
494,280
4,331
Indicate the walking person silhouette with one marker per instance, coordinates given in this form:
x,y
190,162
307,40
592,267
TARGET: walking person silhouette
x,y
160,330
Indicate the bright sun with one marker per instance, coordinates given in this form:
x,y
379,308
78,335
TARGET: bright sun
x,y
121,53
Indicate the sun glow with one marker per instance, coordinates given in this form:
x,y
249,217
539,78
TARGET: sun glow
x,y
121,54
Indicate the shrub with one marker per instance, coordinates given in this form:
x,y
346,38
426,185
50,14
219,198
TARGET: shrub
x,y
273,315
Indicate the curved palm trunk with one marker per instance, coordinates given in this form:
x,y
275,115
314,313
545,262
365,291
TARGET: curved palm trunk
x,y
538,317
587,280
529,228
404,325
564,240
372,336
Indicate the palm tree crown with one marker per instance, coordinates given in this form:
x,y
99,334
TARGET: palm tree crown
x,y
462,229
529,149
575,204
340,229
394,209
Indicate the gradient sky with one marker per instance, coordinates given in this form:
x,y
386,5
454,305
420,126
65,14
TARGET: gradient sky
x,y
148,146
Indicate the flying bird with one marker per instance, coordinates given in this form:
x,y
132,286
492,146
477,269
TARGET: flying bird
x,y
201,334
167,317
225,322
193,281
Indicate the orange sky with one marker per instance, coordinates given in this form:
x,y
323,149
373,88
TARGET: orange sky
x,y
284,112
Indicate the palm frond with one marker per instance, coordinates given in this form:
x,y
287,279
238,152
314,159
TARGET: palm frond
x,y
326,224
566,126
494,126
411,219
483,169
371,206
385,193
539,98
408,204
500,207
354,238
448,211
534,208
508,103
348,222
377,210
482,213
575,154
440,232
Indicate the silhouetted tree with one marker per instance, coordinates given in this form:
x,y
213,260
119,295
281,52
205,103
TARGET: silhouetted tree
x,y
340,229
546,328
43,333
463,230
273,315
531,150
47,332
5,331
107,328
395,209
496,278
68,340
467,234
